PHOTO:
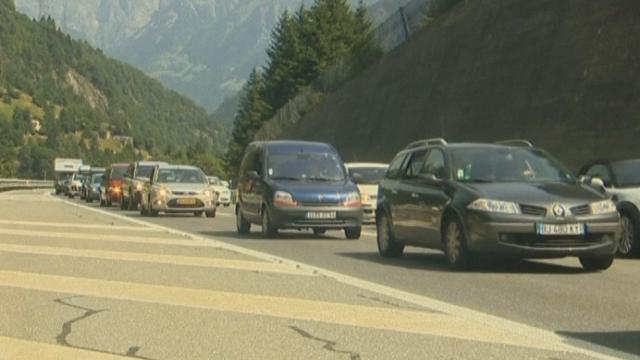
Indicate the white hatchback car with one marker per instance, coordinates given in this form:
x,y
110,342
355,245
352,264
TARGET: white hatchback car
x,y
368,176
620,180
222,189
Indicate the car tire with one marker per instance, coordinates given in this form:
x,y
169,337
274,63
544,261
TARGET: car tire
x,y
455,245
629,238
242,225
198,213
268,230
387,245
143,210
596,263
211,214
123,203
353,233
319,232
103,203
132,203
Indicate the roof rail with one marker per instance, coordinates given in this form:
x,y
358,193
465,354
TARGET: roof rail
x,y
516,142
427,142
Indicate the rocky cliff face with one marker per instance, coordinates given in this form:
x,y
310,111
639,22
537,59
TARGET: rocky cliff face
x,y
204,49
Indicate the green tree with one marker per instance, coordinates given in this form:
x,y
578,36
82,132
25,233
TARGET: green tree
x,y
249,120
364,50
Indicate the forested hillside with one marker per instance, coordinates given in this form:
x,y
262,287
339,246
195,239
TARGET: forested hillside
x,y
60,97
564,74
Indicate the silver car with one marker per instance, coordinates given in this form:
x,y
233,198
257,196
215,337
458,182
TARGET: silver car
x,y
621,180
176,189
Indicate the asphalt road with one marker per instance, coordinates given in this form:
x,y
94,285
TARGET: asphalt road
x,y
113,285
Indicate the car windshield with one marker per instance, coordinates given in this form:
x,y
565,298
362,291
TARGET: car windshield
x,y
117,173
504,164
79,177
627,173
181,176
368,175
98,179
215,181
144,171
306,166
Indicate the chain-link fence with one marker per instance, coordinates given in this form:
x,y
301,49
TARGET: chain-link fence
x,y
397,29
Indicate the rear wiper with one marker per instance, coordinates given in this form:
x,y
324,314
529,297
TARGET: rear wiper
x,y
286,178
322,179
480,180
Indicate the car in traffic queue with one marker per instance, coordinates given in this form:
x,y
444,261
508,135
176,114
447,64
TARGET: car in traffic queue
x,y
296,185
178,189
73,186
87,182
223,192
111,190
507,199
94,187
368,176
134,180
620,179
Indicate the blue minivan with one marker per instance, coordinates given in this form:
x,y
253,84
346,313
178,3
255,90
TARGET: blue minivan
x,y
296,185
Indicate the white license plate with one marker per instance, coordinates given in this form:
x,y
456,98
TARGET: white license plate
x,y
321,215
186,201
560,229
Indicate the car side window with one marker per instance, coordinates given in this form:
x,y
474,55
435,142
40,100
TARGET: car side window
x,y
602,172
416,163
396,167
257,162
434,164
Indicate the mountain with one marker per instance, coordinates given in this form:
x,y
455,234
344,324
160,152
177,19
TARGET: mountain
x,y
61,97
204,49
563,74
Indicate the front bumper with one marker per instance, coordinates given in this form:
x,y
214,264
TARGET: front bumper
x,y
296,218
171,204
510,235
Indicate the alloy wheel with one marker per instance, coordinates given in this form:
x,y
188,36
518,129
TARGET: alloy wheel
x,y
453,242
628,236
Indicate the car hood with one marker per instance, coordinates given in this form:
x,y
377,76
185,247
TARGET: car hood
x,y
185,187
314,192
539,194
626,194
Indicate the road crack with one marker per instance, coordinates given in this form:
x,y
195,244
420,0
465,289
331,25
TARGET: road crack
x,y
328,344
67,329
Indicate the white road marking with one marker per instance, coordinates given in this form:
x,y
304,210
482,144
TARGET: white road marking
x,y
537,334
77,226
18,349
382,318
111,238
243,265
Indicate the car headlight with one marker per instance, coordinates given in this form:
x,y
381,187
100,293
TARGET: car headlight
x,y
206,193
139,186
284,199
495,206
163,193
353,200
603,207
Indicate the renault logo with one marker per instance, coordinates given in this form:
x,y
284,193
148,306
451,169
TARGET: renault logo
x,y
558,210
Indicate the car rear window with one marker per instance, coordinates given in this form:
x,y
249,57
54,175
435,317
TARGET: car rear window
x,y
311,166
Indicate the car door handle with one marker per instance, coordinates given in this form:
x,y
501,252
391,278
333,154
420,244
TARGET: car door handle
x,y
394,192
415,195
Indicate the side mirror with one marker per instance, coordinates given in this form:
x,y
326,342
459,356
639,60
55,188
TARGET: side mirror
x,y
598,184
253,175
428,179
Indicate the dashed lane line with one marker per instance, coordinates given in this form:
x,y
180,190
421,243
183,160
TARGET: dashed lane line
x,y
242,265
542,336
77,226
18,349
381,318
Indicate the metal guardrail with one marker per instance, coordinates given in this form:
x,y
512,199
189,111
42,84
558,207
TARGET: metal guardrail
x,y
24,184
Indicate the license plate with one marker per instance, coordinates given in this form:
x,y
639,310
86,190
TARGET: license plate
x,y
560,229
186,201
321,215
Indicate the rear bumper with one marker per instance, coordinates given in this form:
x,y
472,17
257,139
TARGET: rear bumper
x,y
296,218
519,237
368,214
